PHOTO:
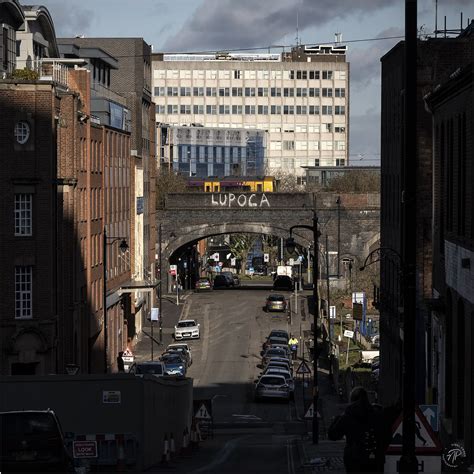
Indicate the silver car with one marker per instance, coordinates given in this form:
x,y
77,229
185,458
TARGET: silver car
x,y
181,346
286,374
186,329
275,352
272,386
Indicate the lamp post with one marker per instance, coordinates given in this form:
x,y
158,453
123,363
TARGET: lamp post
x,y
291,245
123,247
160,298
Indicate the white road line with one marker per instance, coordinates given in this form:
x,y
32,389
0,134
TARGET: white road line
x,y
205,335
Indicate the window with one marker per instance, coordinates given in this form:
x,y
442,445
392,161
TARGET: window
x,y
313,91
250,110
301,74
340,145
275,92
288,92
339,92
314,74
185,109
211,91
224,92
327,92
327,109
341,74
172,109
198,109
22,132
316,162
275,145
224,109
249,92
172,91
327,75
263,91
211,109
263,110
314,110
23,292
237,74
23,214
288,110
185,91
160,91
292,74
340,162
340,129
301,145
340,110
301,92
326,145
237,110
301,129
275,109
198,91
236,91
288,145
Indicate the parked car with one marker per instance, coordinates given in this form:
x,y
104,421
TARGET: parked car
x,y
180,353
276,302
220,281
283,282
229,276
236,279
279,333
182,346
272,386
277,352
203,284
275,364
174,364
32,441
187,329
152,367
274,340
284,347
285,373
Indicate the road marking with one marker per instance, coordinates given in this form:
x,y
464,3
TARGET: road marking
x,y
205,336
291,460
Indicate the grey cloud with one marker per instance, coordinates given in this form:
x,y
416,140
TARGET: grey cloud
x,y
227,24
365,62
69,19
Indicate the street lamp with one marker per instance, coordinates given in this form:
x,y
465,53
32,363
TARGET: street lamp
x,y
123,248
291,246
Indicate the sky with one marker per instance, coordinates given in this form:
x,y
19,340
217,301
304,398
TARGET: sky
x,y
369,28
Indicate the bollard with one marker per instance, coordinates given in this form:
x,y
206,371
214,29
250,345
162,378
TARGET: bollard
x,y
172,447
166,451
185,445
121,466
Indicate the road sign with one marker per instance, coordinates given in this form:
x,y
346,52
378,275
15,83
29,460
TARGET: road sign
x,y
266,257
173,269
348,333
111,396
303,368
215,257
203,409
221,264
72,369
426,441
431,413
291,262
84,449
310,412
228,256
155,314
332,312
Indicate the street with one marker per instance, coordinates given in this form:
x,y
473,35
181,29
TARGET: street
x,y
248,436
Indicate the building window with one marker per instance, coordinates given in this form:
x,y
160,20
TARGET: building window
x,y
340,145
249,92
340,129
22,132
23,292
340,162
340,92
236,91
288,145
23,214
224,92
301,74
237,74
211,92
327,92
314,74
263,91
275,92
327,75
316,162
327,109
339,110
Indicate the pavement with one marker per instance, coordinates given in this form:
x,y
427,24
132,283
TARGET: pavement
x,y
326,455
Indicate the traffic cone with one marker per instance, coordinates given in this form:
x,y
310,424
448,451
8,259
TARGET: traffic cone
x,y
185,445
121,466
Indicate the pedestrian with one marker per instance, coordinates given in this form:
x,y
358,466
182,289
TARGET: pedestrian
x,y
363,426
120,362
293,343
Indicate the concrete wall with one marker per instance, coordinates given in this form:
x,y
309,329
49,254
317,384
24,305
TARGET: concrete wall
x,y
150,407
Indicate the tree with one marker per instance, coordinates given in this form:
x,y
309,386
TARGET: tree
x,y
240,246
358,181
167,181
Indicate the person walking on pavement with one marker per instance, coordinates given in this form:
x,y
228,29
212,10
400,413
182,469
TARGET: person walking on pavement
x,y
363,426
293,343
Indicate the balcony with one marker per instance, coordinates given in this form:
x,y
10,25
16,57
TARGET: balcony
x,y
52,70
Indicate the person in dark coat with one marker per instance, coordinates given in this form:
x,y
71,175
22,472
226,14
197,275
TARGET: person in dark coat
x,y
363,426
120,362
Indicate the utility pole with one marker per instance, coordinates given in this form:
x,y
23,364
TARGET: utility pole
x,y
408,461
160,297
329,307
338,202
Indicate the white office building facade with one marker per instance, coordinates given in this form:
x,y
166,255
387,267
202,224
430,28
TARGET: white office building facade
x,y
300,99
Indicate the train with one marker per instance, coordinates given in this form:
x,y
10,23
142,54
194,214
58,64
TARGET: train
x,y
254,184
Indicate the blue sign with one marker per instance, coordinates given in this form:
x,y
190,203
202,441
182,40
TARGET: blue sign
x,y
431,413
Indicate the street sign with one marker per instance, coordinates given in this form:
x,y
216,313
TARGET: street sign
x,y
357,311
232,262
155,314
215,257
72,369
221,264
310,412
173,269
426,441
332,312
291,262
266,257
300,258
228,256
202,409
431,413
303,368
84,449
349,334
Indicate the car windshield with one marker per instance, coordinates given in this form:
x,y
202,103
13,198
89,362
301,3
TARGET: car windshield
x,y
171,359
203,280
274,351
272,380
156,369
276,298
186,324
279,334
279,372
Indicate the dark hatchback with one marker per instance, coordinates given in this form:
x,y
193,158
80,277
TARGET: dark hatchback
x,y
220,281
32,441
283,282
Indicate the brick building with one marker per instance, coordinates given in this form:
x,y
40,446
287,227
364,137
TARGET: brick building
x,y
66,177
438,58
452,329
131,79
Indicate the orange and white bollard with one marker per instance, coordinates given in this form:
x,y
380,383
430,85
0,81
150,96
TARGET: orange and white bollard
x,y
166,451
172,447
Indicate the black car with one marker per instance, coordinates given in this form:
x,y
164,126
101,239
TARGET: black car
x,y
283,282
220,281
32,441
